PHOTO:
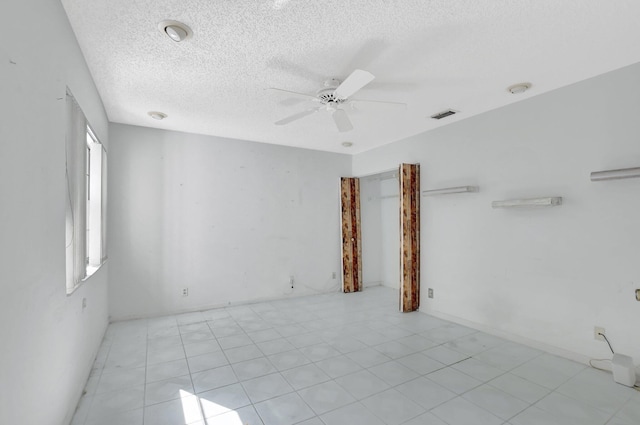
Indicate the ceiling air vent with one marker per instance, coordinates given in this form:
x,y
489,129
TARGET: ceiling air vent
x,y
443,114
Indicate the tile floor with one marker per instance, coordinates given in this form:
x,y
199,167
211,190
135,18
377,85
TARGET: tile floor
x,y
337,359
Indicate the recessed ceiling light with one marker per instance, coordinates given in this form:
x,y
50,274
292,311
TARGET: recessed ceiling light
x,y
157,115
519,88
347,144
176,31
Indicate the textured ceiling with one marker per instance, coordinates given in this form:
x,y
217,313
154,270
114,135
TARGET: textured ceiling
x,y
431,55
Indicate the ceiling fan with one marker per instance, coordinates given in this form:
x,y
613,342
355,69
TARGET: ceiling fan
x,y
333,96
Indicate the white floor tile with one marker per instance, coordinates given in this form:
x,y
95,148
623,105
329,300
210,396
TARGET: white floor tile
x,y
160,343
121,379
573,411
198,348
275,346
223,400
108,404
445,355
207,361
162,371
519,388
597,389
253,368
194,327
304,340
548,370
352,414
462,412
265,335
266,387
216,360
184,411
197,336
393,373
284,410
167,354
325,397
503,405
393,407
132,417
425,419
536,416
629,414
234,341
425,392
454,380
213,378
368,357
305,376
421,363
477,369
240,354
288,360
447,332
338,366
169,389
345,345
243,416
395,349
362,384
319,352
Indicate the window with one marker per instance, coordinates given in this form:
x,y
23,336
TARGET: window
x,y
86,166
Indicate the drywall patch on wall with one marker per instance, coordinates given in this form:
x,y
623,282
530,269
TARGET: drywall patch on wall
x,y
230,220
551,274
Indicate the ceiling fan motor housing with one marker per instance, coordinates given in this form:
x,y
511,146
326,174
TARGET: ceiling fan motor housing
x,y
326,96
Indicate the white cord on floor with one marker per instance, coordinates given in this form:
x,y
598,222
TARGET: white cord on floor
x,y
599,360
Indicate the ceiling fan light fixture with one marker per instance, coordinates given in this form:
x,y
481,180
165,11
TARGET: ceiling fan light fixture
x,y
176,31
157,115
519,88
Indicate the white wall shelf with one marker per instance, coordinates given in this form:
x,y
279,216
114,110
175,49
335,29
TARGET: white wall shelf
x,y
623,173
527,203
450,190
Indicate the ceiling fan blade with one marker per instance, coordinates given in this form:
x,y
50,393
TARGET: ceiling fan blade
x,y
380,102
297,116
342,120
295,93
354,82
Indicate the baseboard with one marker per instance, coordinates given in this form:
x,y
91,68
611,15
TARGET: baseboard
x,y
561,352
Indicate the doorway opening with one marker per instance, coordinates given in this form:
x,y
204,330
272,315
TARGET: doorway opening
x,y
380,220
385,208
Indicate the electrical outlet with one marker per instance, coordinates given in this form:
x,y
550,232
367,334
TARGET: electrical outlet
x,y
430,292
84,303
185,292
333,276
597,333
291,281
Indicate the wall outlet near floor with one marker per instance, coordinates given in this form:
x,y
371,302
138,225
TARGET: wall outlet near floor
x,y
430,292
597,333
333,276
185,292
84,303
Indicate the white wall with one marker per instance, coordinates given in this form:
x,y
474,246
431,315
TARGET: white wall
x,y
371,231
547,275
47,341
390,228
229,219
